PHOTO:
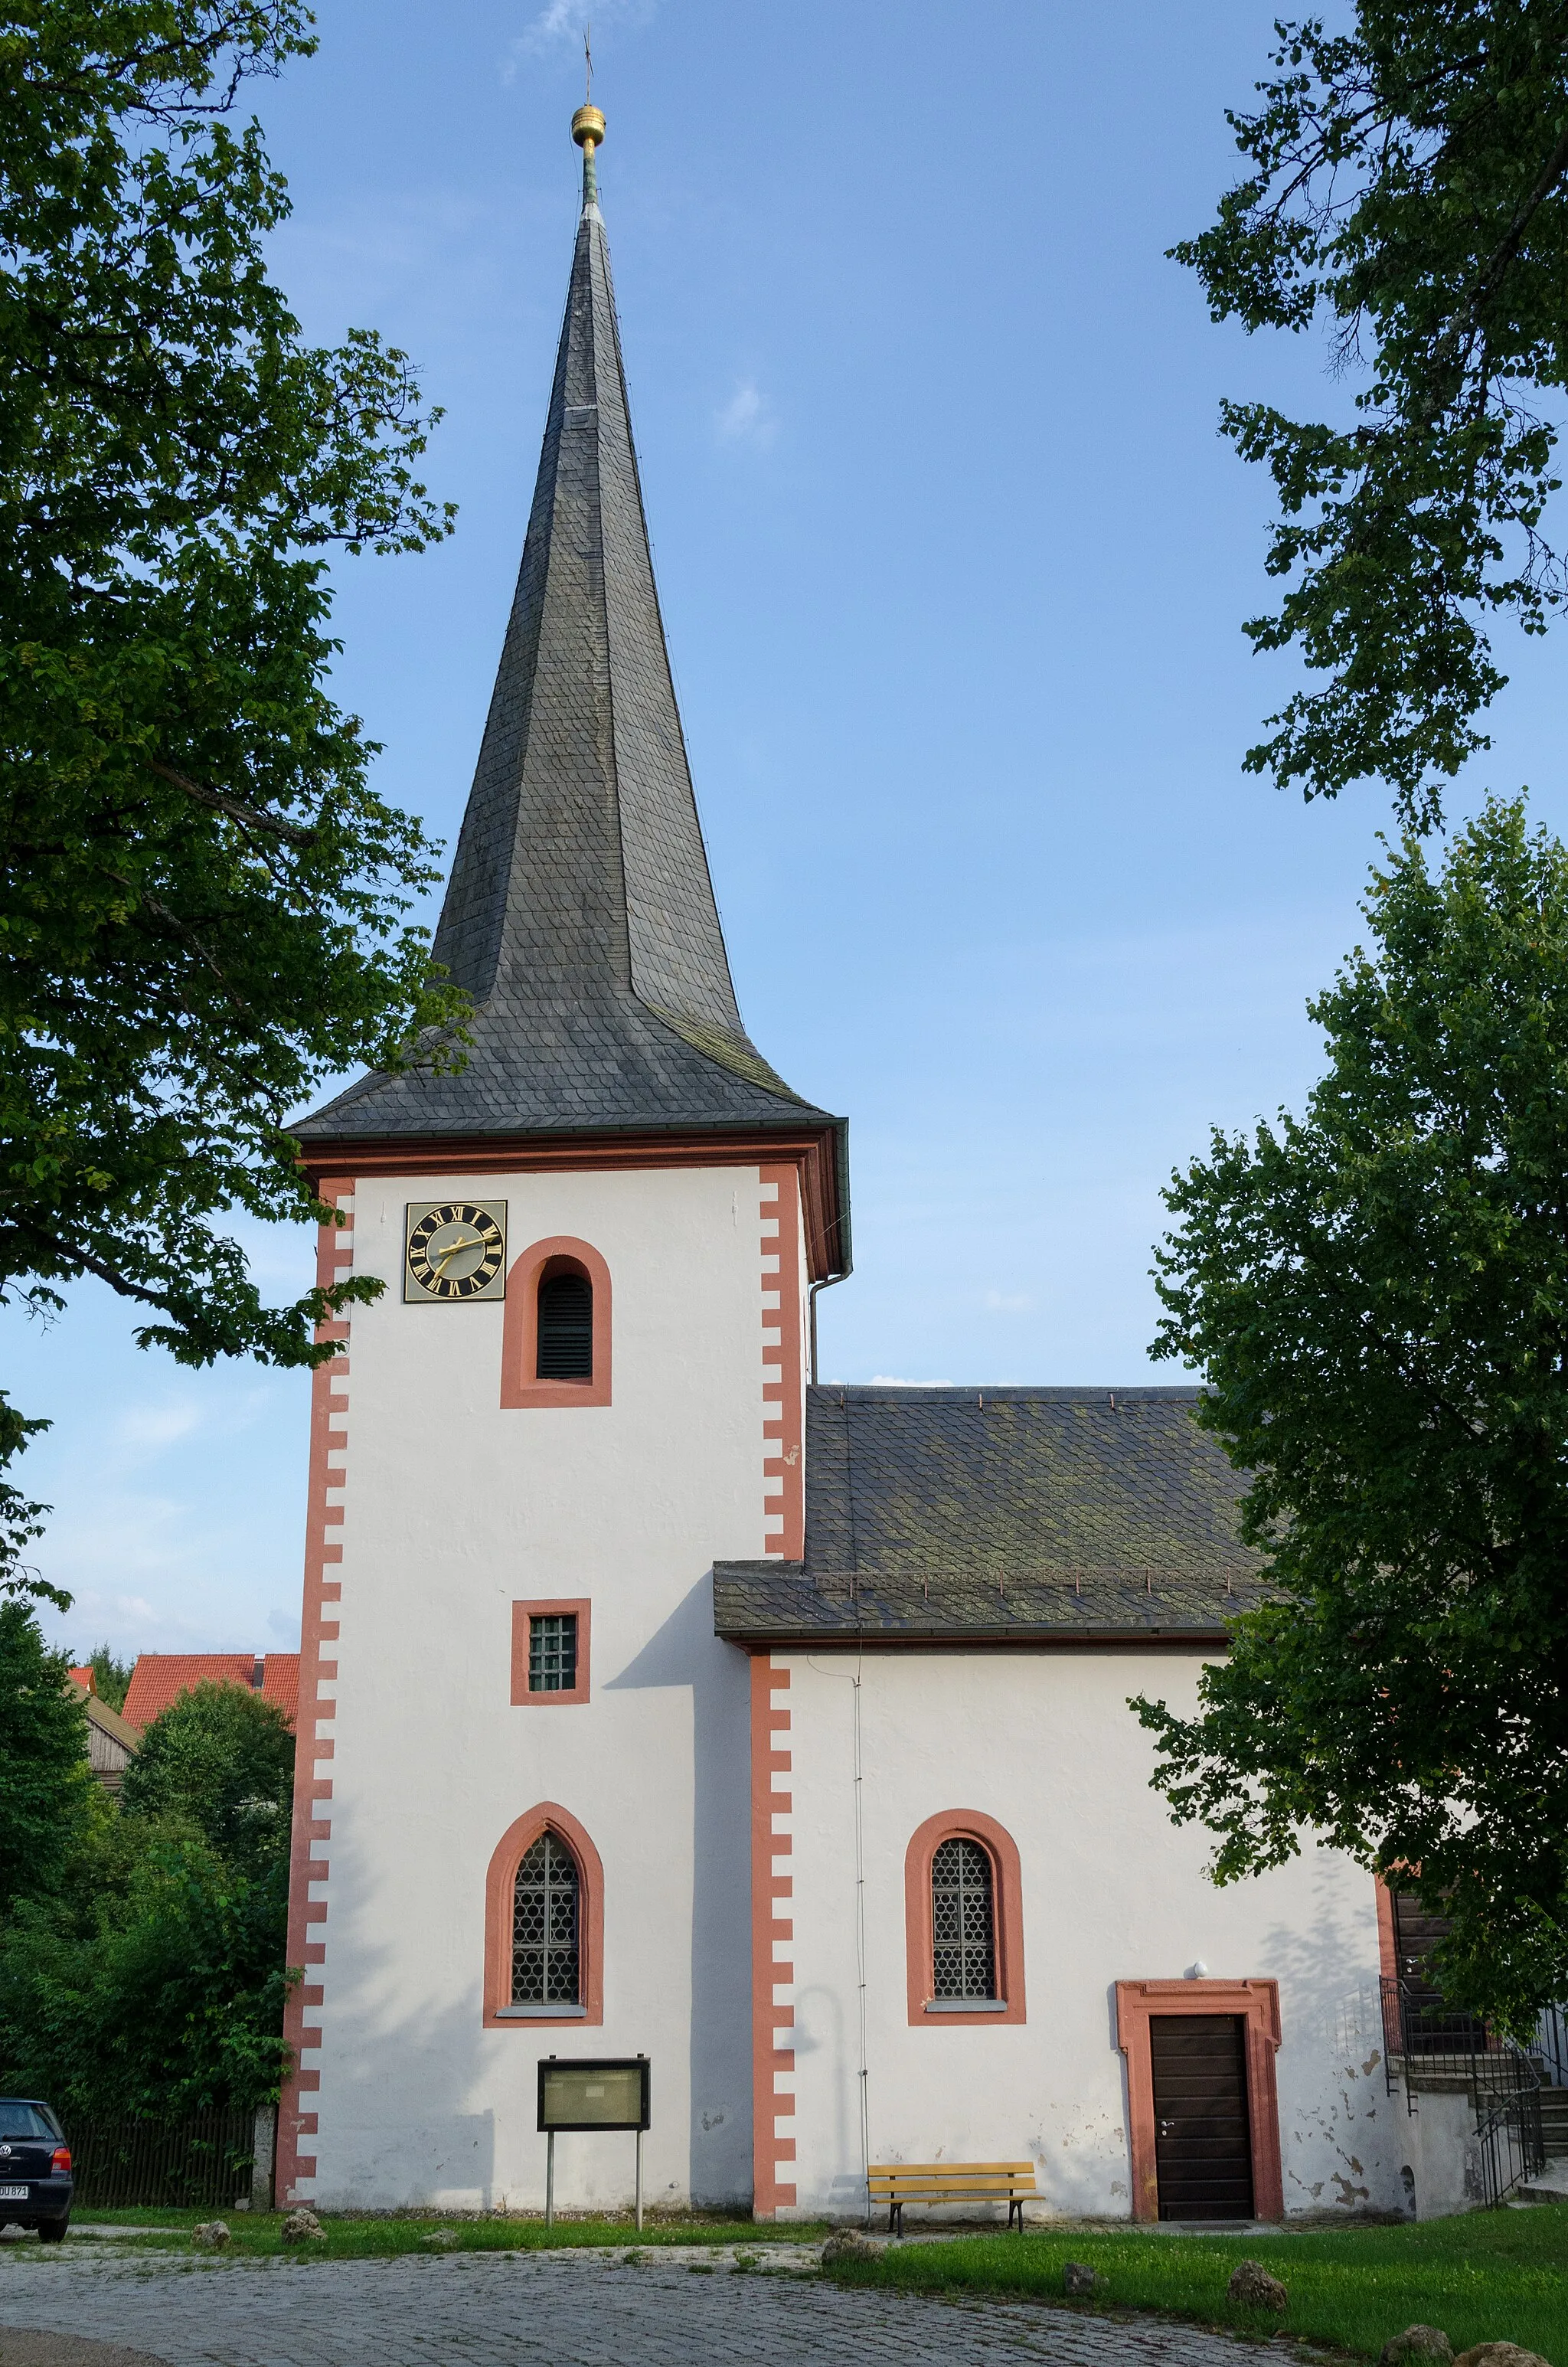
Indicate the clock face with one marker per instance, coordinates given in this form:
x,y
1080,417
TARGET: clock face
x,y
457,1248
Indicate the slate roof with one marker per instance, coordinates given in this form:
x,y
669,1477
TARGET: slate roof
x,y
1002,1515
580,913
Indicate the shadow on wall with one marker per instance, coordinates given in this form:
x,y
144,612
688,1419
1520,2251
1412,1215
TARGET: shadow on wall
x,y
686,1652
435,2056
433,2059
1341,2133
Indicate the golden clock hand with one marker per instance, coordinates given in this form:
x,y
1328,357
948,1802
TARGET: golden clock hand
x,y
451,1249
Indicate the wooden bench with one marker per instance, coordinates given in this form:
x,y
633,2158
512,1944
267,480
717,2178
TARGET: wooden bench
x,y
897,2183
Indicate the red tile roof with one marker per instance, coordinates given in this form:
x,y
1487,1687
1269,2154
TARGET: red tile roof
x,y
281,1683
160,1678
84,1678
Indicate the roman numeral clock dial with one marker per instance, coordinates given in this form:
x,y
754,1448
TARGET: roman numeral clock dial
x,y
457,1248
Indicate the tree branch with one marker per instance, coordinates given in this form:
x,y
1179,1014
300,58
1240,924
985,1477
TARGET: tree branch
x,y
296,833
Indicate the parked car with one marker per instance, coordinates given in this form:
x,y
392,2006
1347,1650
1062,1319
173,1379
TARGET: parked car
x,y
36,2184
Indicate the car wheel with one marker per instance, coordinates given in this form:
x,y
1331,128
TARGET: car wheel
x,y
52,2231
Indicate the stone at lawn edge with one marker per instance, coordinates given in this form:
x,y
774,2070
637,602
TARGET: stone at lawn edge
x,y
441,2239
845,2245
1418,2346
1499,2354
1252,2287
1077,2278
209,2235
302,2227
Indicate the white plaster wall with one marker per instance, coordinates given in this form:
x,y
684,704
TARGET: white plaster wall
x,y
1441,2152
1112,1891
453,1510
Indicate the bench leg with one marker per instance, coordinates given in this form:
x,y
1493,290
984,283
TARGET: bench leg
x,y
1016,2204
895,2218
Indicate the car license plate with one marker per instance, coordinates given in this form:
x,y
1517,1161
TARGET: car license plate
x,y
13,2194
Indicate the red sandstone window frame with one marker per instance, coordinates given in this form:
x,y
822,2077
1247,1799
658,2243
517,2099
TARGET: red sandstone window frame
x,y
500,1883
1259,2003
520,1385
554,1607
929,2012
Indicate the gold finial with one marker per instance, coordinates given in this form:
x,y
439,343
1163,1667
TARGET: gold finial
x,y
587,128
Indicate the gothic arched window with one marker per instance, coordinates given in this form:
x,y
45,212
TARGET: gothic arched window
x,y
964,1920
546,1951
566,1325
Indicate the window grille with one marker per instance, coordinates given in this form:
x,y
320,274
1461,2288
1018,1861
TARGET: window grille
x,y
552,1652
964,1952
566,1327
545,1958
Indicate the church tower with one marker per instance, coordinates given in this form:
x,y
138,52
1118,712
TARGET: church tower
x,y
523,1820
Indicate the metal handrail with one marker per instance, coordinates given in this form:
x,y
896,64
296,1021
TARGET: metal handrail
x,y
1552,2044
1421,2031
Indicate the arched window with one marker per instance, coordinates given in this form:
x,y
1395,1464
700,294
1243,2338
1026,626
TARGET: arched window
x,y
964,1920
556,1336
565,1324
545,1951
544,1958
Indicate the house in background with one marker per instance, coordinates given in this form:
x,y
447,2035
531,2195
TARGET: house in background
x,y
112,1740
160,1678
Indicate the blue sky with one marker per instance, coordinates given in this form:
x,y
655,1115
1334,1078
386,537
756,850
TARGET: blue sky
x,y
954,565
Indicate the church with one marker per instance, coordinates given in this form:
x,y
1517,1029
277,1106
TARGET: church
x,y
658,1700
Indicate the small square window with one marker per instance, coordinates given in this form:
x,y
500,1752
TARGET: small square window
x,y
551,1649
552,1652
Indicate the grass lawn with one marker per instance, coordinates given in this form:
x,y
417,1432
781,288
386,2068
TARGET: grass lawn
x,y
1489,2276
354,2236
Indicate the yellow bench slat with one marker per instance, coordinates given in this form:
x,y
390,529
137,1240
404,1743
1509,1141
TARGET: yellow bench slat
x,y
936,2183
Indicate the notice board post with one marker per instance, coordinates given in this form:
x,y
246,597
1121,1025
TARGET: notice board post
x,y
599,2092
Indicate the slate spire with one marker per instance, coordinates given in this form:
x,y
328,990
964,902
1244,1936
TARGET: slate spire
x,y
580,913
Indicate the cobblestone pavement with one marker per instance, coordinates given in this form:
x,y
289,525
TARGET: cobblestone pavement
x,y
558,2309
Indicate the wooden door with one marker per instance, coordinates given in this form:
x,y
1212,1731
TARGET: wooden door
x,y
1202,2129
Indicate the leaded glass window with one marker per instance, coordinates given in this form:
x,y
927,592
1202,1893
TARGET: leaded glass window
x,y
545,1958
552,1652
964,1923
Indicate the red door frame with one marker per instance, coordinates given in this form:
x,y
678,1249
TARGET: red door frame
x,y
1259,2003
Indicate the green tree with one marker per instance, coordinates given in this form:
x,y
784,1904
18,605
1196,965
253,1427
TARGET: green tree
x,y
203,906
1407,187
154,1983
1377,1294
47,1796
111,1678
147,1973
221,1759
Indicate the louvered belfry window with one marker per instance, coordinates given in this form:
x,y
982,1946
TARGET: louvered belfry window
x,y
566,1327
546,1963
963,1922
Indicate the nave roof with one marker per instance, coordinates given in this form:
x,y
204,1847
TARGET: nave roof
x,y
1001,1516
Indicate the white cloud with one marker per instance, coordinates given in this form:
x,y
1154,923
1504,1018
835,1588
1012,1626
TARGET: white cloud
x,y
1000,1303
745,418
892,1381
567,20
147,1430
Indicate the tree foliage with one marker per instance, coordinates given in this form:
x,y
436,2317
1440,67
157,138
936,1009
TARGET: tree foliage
x,y
154,1985
142,1942
111,1676
1377,1296
46,1793
1407,184
222,1759
203,909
